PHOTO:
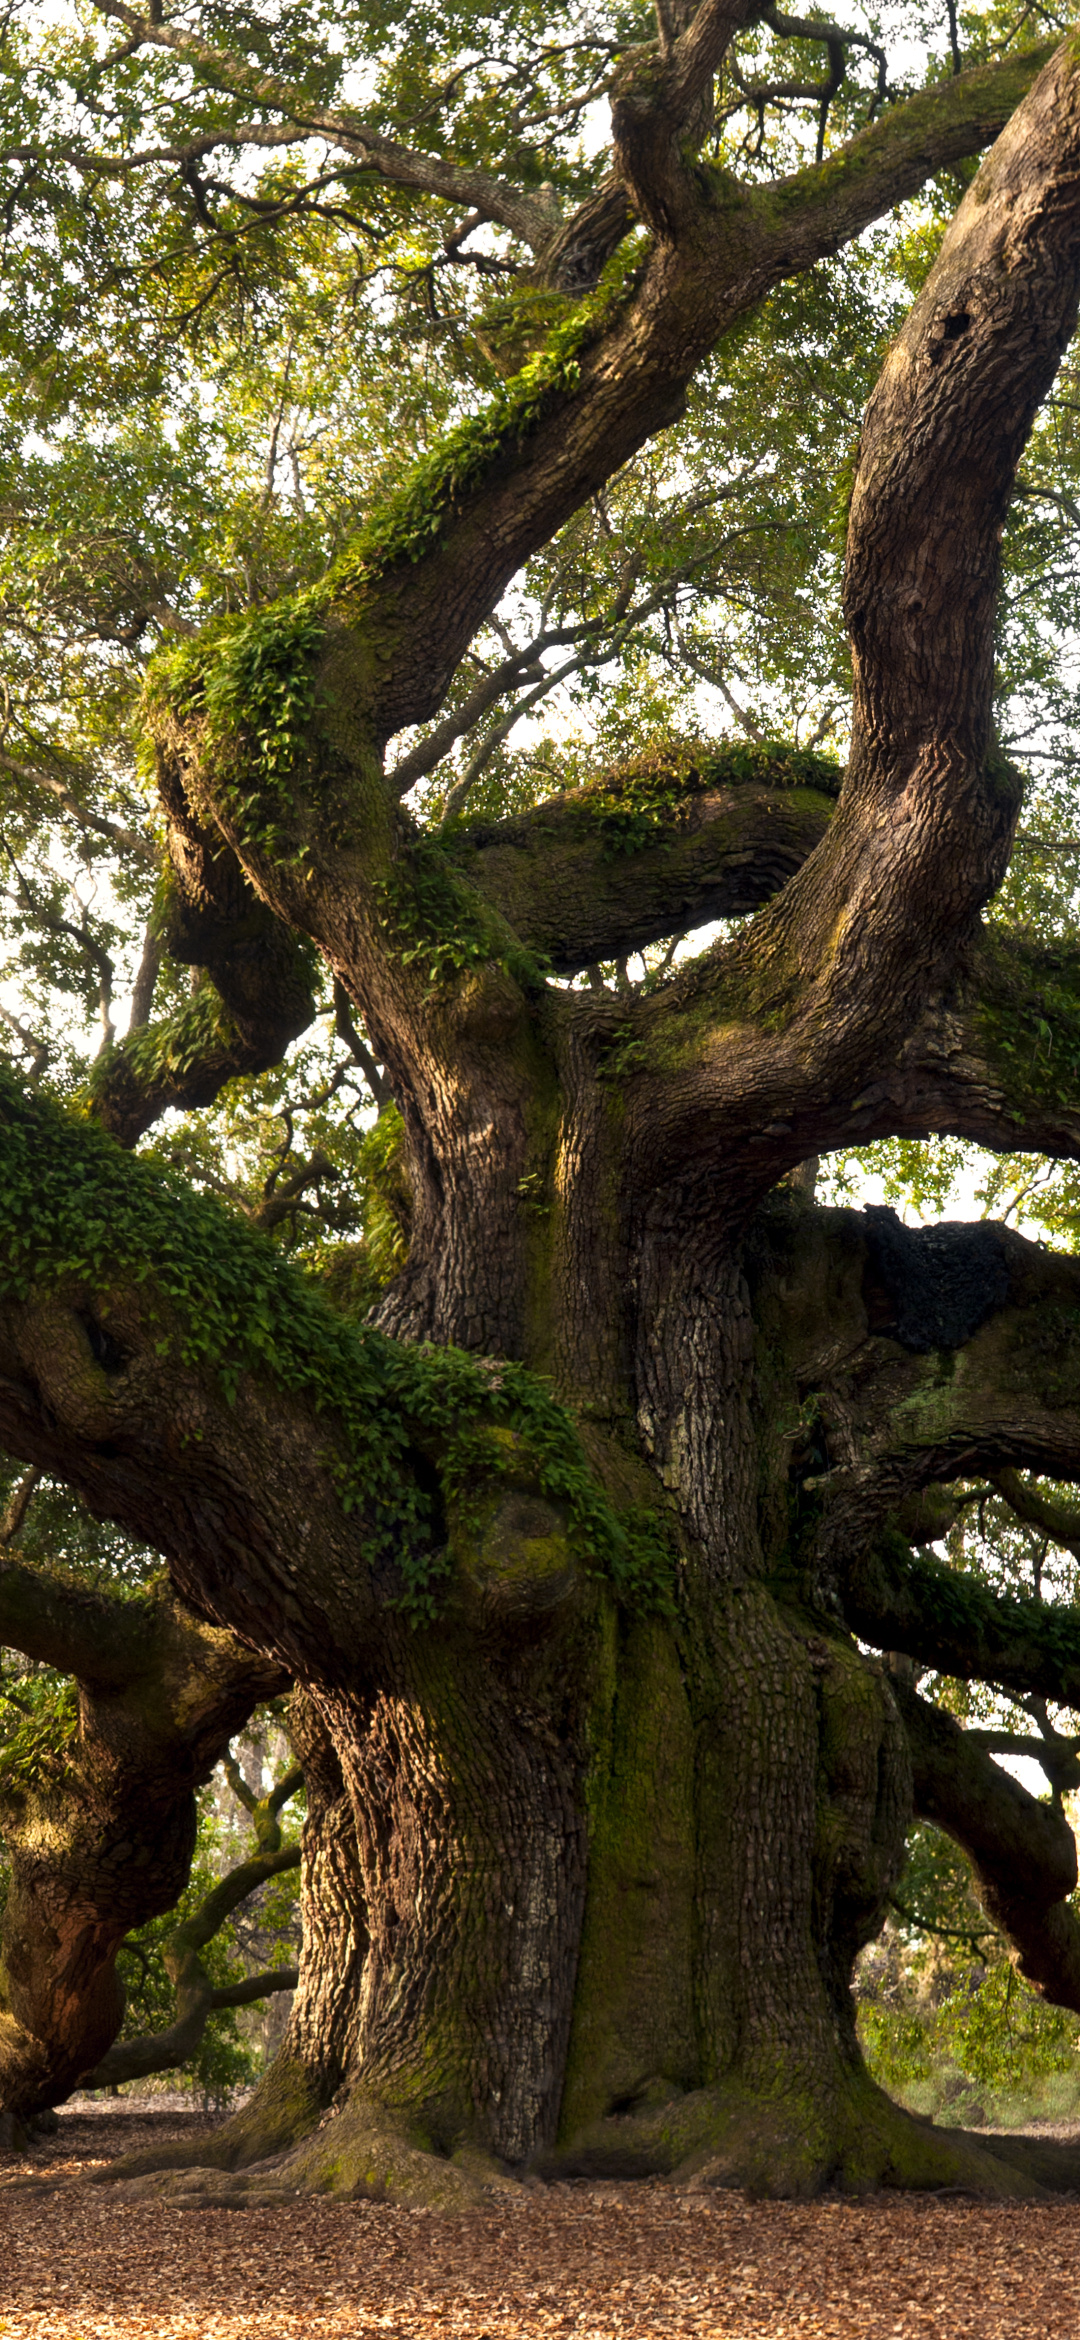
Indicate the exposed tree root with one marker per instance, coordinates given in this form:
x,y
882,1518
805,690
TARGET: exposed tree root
x,y
794,2146
788,2146
285,2108
360,2153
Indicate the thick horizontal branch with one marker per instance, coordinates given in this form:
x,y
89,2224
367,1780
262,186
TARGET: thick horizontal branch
x,y
255,1986
900,1600
166,1361
60,1623
994,1058
996,1061
651,850
1023,1852
1057,1756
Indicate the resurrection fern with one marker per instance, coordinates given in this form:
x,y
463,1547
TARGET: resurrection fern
x,y
37,1732
251,678
641,804
438,924
159,1051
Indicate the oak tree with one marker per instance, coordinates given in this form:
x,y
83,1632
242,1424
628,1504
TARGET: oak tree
x,y
577,1542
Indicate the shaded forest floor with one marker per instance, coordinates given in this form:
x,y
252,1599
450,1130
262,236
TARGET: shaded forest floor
x,y
600,2262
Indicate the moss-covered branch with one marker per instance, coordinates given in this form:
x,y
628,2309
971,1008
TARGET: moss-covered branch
x,y
429,566
681,836
823,207
998,1061
897,1599
169,1363
58,1622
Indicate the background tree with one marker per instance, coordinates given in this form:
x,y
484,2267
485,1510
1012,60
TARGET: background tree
x,y
116,1709
190,1957
945,2016
567,1543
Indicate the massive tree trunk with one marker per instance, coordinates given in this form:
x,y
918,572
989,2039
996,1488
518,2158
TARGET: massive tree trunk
x,y
611,1798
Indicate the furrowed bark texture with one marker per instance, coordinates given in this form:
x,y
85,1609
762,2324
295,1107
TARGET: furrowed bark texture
x,y
605,1841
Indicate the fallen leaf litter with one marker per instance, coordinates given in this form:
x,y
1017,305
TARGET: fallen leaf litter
x,y
599,2262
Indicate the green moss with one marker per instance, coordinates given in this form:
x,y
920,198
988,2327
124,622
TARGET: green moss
x,y
930,112
411,521
73,1205
633,2032
438,924
37,1743
641,803
1028,1016
945,1606
250,681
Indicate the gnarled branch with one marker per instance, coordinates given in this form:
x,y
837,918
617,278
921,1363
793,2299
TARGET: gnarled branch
x,y
1023,1852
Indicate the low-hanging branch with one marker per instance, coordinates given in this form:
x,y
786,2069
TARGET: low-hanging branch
x,y
1023,1852
898,1599
96,1802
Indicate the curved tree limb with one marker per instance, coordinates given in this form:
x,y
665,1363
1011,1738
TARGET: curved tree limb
x,y
527,217
601,871
899,1600
1023,1852
196,1995
260,995
732,245
836,971
294,1466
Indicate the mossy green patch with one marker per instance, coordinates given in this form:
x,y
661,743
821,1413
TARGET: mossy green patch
x,y
643,802
37,1738
250,680
200,1029
633,2035
440,925
1028,1015
74,1206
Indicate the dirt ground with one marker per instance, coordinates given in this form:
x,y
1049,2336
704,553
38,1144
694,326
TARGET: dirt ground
x,y
601,2262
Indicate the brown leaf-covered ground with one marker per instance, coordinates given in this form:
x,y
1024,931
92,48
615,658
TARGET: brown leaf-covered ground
x,y
601,2262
